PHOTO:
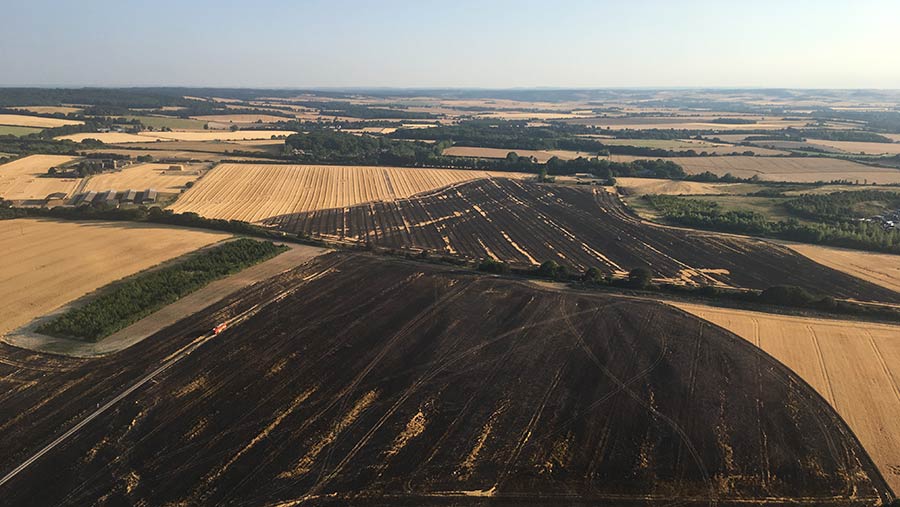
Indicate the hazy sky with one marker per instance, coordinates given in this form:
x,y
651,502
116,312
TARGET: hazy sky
x,y
452,43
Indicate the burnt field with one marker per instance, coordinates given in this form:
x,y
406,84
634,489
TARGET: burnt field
x,y
526,223
361,381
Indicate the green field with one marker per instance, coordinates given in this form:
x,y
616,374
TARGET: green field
x,y
770,207
159,122
6,130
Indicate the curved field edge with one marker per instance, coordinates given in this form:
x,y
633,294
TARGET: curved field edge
x,y
399,396
878,268
851,364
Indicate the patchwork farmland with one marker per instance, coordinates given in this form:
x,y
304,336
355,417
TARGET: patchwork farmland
x,y
256,192
398,397
142,176
25,178
526,223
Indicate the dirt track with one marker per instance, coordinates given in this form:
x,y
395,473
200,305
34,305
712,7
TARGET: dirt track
x,y
397,396
526,223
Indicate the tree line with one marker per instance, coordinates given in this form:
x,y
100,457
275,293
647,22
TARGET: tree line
x,y
128,301
704,214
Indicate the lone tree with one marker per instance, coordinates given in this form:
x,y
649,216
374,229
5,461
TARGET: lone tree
x,y
640,278
550,269
593,275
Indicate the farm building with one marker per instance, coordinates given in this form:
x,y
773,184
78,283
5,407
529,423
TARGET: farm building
x,y
56,199
176,167
86,198
107,197
150,195
129,196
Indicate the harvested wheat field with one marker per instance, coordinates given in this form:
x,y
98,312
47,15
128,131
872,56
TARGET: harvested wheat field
x,y
255,192
205,135
22,120
241,118
643,186
22,179
49,109
853,365
683,122
49,263
861,147
142,176
690,144
796,169
107,137
541,155
878,268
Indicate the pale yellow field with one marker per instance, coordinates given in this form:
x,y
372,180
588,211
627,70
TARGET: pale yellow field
x,y
49,263
108,137
21,120
642,186
878,268
541,155
141,177
530,115
860,147
204,135
20,179
687,123
255,192
853,365
796,169
241,118
49,109
692,144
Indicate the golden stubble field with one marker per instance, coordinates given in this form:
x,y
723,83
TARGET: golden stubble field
x,y
181,135
541,155
107,137
861,147
205,135
22,120
241,118
142,177
793,169
47,263
255,192
878,268
853,365
49,109
643,186
22,178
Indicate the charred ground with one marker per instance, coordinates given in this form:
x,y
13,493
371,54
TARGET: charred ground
x,y
579,227
364,381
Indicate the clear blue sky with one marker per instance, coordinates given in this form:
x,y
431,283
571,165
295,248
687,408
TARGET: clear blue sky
x,y
452,43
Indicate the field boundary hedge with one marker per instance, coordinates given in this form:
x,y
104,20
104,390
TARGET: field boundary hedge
x,y
125,302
